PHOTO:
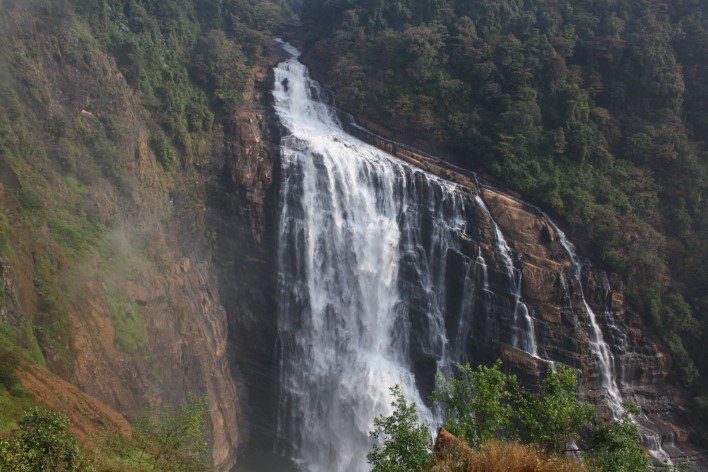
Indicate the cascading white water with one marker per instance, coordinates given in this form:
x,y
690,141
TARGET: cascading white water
x,y
376,285
601,350
457,349
529,345
597,341
364,244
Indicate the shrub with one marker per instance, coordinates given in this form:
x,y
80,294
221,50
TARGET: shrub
x,y
504,456
176,441
485,405
556,416
42,443
615,447
402,444
477,403
164,153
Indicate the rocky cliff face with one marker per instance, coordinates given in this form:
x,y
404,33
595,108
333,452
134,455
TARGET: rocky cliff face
x,y
140,285
556,302
241,196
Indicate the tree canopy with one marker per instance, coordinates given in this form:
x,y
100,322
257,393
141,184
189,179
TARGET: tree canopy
x,y
593,109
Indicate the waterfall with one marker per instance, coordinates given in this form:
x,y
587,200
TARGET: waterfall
x,y
378,284
597,343
364,244
606,363
514,274
458,348
383,279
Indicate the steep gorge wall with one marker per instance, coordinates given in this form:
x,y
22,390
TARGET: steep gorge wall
x,y
139,285
562,326
191,254
242,201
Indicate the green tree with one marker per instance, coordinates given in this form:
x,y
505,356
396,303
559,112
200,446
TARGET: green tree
x,y
402,443
556,416
219,65
615,447
176,441
484,404
477,404
42,443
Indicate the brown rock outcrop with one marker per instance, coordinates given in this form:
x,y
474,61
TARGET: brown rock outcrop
x,y
447,443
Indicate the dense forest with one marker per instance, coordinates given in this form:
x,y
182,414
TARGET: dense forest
x,y
592,109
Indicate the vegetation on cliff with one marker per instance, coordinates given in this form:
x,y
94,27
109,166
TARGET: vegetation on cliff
x,y
64,143
162,441
595,110
42,442
485,405
106,111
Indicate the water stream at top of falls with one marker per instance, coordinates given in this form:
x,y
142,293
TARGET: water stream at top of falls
x,y
377,283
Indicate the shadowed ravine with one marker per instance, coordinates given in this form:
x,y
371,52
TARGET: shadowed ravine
x,y
387,275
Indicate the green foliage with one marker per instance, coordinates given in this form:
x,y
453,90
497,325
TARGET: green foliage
x,y
75,235
477,404
42,442
163,150
64,144
55,338
485,405
176,441
20,344
179,55
402,443
6,233
51,323
30,345
220,66
614,447
556,416
130,331
29,199
9,360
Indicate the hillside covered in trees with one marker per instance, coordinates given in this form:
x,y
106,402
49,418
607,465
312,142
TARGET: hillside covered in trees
x,y
109,111
594,110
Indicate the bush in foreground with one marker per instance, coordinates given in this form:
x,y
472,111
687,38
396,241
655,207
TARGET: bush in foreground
x,y
42,443
492,416
405,441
